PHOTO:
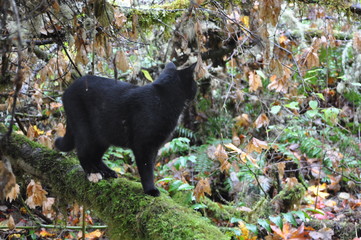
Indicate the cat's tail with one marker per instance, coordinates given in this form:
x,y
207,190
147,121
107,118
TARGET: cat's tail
x,y
66,143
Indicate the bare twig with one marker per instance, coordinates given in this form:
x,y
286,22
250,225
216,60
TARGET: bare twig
x,y
19,77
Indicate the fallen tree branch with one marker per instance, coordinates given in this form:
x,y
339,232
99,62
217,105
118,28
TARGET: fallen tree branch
x,y
120,203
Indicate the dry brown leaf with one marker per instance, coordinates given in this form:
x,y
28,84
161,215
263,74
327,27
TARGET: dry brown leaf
x,y
47,206
261,121
357,41
203,186
200,68
13,193
335,183
256,145
291,182
222,156
276,68
60,130
11,223
281,169
255,81
8,186
236,140
270,10
290,233
45,141
245,156
280,84
36,194
121,61
81,56
324,234
120,18
243,120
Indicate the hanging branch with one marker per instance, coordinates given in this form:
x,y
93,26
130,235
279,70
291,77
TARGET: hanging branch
x,y
62,44
19,76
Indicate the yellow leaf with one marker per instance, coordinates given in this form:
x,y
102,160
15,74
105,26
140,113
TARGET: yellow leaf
x,y
232,147
147,75
317,190
245,21
94,235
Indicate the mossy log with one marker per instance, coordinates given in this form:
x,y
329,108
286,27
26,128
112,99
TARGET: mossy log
x,y
120,203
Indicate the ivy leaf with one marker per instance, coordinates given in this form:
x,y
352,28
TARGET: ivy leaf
x,y
293,105
320,95
302,215
313,104
277,220
275,110
312,113
290,218
265,224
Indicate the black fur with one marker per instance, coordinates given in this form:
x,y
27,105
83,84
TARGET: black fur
x,y
102,112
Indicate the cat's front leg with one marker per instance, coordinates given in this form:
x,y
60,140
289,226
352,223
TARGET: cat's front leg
x,y
145,162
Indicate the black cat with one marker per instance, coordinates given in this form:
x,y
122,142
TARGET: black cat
x,y
102,112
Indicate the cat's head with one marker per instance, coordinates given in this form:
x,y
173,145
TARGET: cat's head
x,y
184,78
187,76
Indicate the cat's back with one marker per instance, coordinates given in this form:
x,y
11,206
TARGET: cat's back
x,y
89,85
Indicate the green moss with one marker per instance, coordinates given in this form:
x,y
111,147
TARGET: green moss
x,y
120,203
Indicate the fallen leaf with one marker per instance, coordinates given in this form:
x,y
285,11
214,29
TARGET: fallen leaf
x,y
36,194
261,121
289,233
202,187
254,81
243,120
256,145
318,190
322,234
11,223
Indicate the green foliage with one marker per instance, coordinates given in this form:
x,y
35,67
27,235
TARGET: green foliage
x,y
116,157
176,146
185,132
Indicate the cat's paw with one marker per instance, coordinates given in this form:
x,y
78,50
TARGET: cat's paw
x,y
94,177
153,192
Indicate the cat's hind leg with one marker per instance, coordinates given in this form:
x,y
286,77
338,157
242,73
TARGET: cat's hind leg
x,y
90,156
66,143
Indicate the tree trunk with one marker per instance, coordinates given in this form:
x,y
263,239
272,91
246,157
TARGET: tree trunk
x,y
120,203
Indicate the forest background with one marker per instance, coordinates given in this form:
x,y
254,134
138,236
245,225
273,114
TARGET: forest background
x,y
269,149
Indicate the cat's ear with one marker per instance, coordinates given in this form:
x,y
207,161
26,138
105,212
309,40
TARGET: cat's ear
x,y
189,69
170,65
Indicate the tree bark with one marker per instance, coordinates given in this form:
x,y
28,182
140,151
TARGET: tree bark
x,y
120,203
